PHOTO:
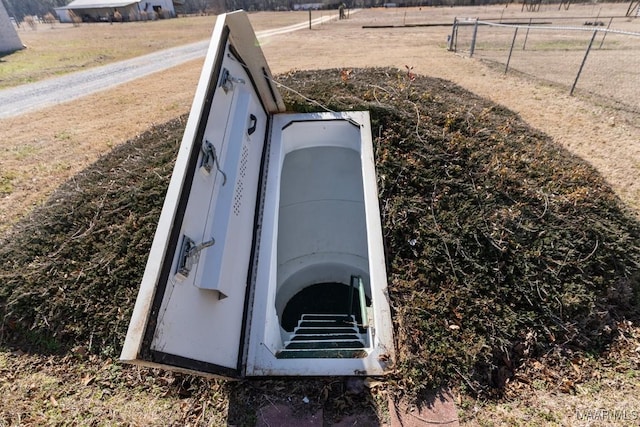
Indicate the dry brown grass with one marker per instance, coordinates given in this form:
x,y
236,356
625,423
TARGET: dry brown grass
x,y
64,48
43,149
89,390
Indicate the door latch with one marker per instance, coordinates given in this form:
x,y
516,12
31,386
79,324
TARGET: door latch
x,y
189,253
227,81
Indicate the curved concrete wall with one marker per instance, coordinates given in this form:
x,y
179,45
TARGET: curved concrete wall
x,y
322,232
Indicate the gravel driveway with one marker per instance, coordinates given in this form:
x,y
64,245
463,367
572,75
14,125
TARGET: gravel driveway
x,y
34,96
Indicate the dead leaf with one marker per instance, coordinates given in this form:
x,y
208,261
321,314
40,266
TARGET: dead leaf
x,y
370,383
88,380
576,368
567,386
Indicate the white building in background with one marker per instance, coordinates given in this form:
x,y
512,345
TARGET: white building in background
x,y
9,40
104,10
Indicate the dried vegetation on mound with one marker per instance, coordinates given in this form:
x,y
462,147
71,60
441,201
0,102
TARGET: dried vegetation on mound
x,y
70,272
501,246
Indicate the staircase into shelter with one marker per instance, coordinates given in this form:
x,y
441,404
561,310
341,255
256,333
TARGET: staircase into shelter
x,y
325,336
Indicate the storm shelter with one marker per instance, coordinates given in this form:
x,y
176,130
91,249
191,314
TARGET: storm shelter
x,y
268,256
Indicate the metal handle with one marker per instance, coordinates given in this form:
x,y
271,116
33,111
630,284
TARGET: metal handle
x,y
189,251
253,123
210,159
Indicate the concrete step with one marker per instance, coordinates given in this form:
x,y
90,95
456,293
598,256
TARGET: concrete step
x,y
321,345
336,353
325,336
317,337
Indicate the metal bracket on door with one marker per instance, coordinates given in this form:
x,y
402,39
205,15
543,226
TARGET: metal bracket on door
x,y
227,81
189,253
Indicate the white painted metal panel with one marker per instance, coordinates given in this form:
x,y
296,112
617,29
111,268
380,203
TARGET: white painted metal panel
x,y
235,171
188,316
201,316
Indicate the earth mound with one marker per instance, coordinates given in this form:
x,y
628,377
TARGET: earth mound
x,y
501,246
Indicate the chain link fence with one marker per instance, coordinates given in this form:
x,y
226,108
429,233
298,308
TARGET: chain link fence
x,y
590,59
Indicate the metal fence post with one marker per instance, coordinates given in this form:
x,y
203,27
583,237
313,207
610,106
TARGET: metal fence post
x,y
473,39
526,37
453,33
605,33
583,61
513,42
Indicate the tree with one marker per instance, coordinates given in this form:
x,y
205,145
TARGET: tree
x,y
200,6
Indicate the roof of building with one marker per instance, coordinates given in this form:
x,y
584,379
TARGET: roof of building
x,y
98,4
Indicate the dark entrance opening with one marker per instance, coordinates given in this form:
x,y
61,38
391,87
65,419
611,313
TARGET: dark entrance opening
x,y
322,298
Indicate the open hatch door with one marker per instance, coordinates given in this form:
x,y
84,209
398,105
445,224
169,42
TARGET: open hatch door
x,y
268,258
191,308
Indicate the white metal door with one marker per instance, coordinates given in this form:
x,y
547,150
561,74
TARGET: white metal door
x,y
190,311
